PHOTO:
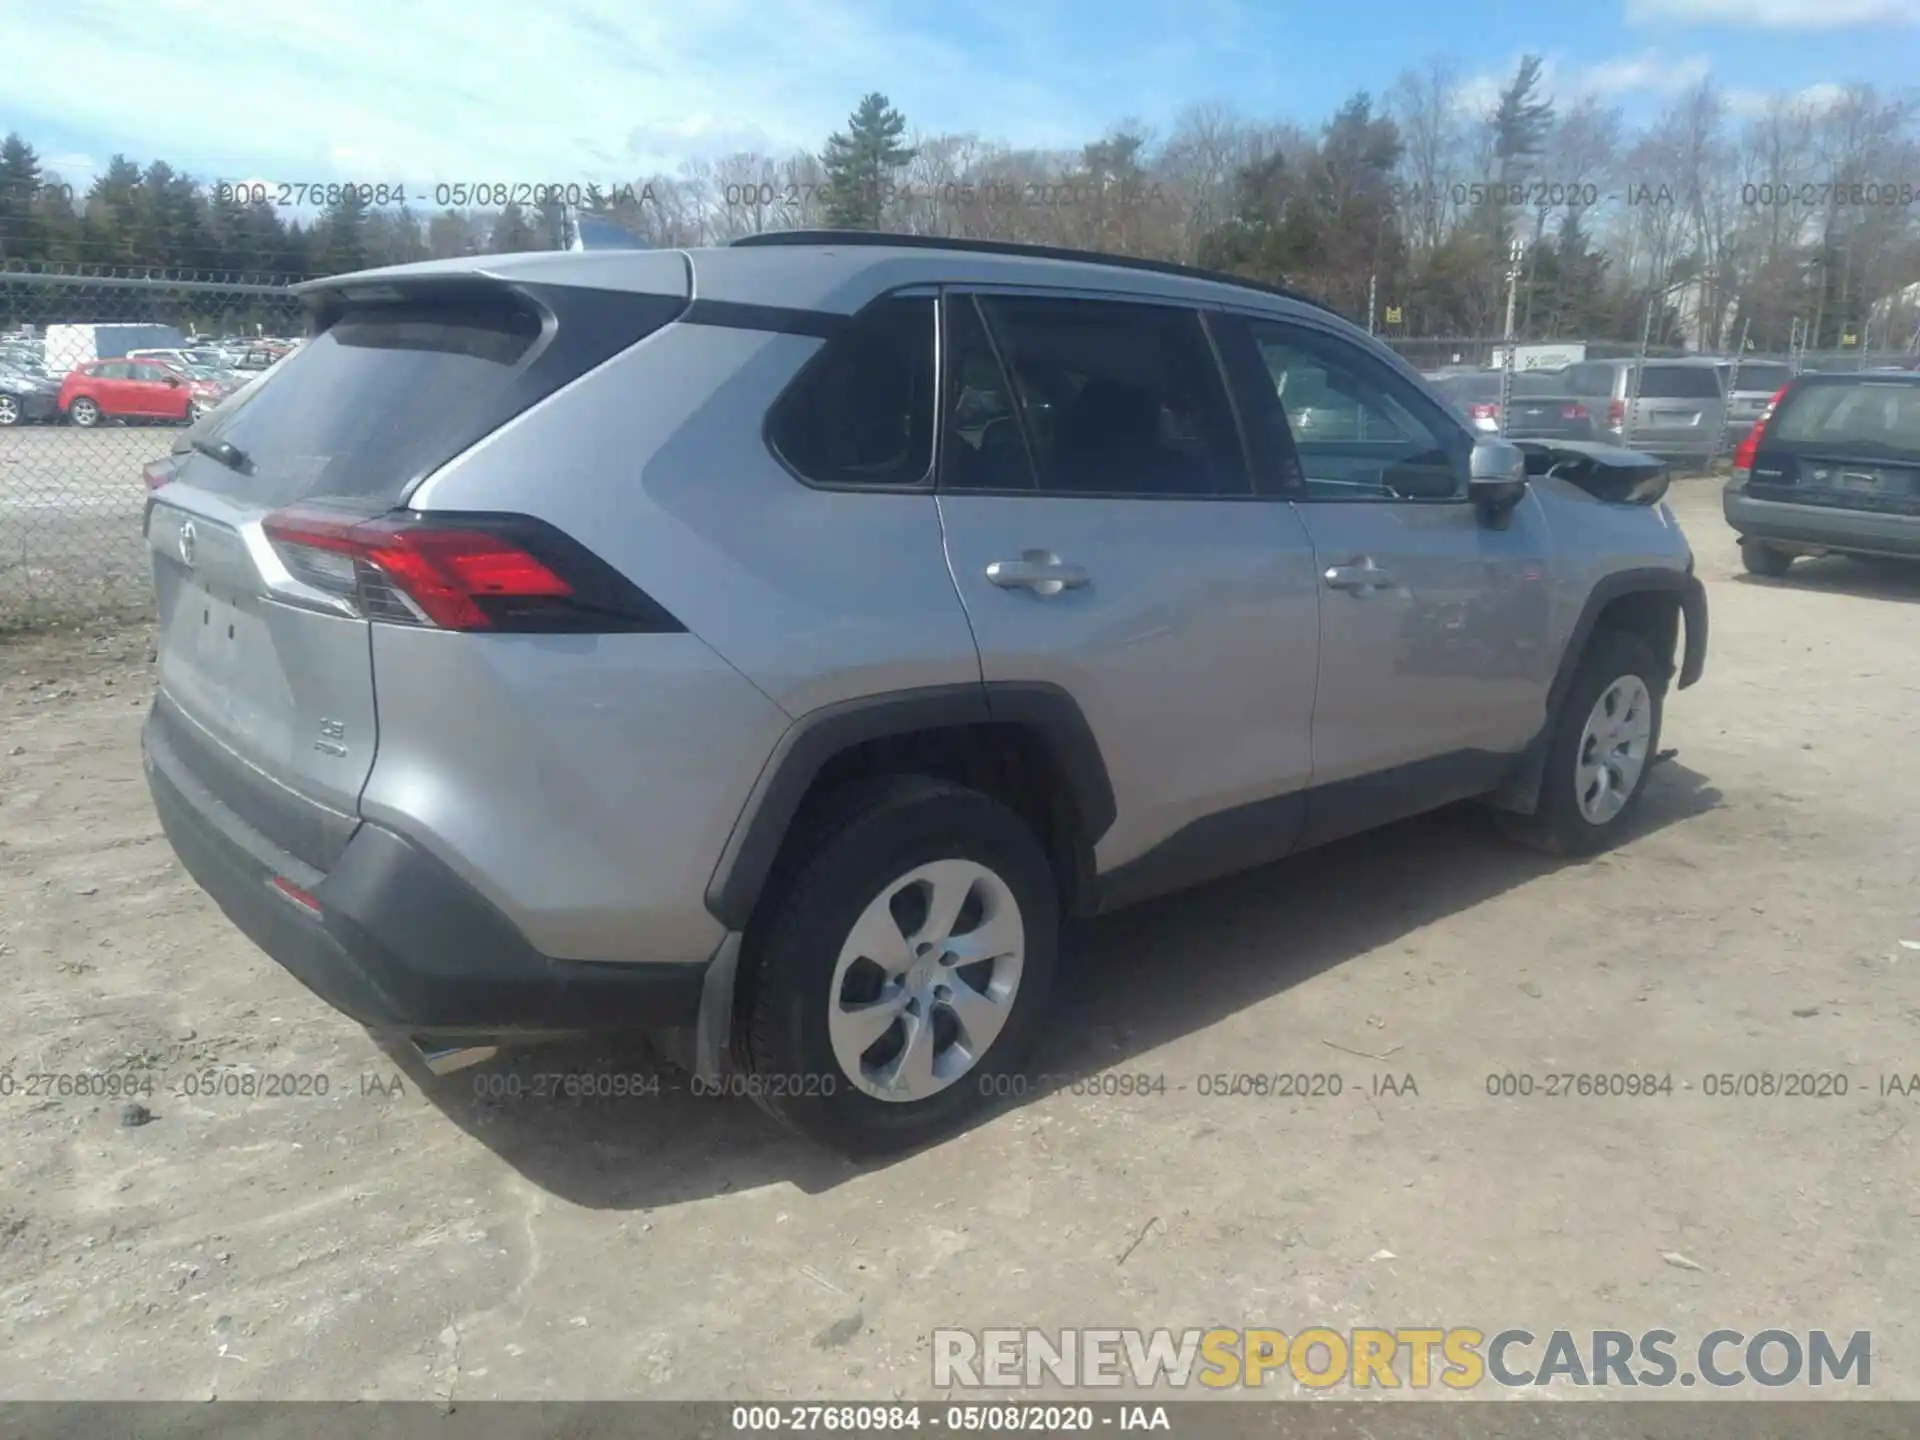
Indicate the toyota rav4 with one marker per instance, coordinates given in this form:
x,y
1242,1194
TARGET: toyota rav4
x,y
772,647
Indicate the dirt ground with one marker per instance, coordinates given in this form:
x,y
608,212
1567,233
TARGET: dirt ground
x,y
389,1240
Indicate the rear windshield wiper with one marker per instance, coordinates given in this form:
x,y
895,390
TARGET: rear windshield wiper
x,y
227,453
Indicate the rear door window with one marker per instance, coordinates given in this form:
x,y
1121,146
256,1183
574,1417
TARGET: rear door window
x,y
1118,398
1679,382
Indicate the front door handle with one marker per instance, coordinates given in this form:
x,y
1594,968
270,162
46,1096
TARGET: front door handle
x,y
1359,575
1040,571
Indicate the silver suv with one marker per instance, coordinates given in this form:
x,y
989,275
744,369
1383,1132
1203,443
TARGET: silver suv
x,y
772,646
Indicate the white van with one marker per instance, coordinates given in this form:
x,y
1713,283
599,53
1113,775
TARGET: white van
x,y
68,346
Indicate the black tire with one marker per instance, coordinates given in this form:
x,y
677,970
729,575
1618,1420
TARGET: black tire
x,y
85,413
868,837
1557,826
1761,558
11,412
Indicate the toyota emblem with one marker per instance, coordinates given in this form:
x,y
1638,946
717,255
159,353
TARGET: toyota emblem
x,y
186,543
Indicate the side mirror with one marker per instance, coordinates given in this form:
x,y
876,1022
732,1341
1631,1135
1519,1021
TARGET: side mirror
x,y
1496,479
174,382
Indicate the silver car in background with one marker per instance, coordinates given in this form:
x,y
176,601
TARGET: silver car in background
x,y
771,646
1676,409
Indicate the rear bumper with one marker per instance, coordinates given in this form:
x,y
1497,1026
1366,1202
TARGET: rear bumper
x,y
400,941
1822,527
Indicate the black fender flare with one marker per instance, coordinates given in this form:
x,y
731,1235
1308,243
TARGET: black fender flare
x,y
741,874
1522,790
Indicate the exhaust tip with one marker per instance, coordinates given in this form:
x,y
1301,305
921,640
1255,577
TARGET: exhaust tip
x,y
444,1060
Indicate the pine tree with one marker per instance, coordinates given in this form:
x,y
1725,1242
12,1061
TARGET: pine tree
x,y
512,232
861,163
22,234
339,238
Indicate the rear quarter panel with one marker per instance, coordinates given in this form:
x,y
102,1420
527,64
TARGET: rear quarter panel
x,y
657,462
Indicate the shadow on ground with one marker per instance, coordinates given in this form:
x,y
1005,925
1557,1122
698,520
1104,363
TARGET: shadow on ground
x,y
1868,577
1127,984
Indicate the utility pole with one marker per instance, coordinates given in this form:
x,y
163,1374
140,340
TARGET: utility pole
x,y
1515,254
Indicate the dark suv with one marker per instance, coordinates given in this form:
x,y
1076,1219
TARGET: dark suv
x,y
1832,466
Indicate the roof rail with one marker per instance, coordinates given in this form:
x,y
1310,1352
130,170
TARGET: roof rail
x,y
881,238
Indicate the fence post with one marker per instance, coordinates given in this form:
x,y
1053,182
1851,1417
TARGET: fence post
x,y
1639,366
1733,384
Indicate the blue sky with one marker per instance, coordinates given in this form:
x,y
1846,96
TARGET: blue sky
x,y
424,91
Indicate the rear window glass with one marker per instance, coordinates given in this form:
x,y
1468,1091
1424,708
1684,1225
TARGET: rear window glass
x,y
1679,382
1590,380
1539,384
1471,389
1759,377
1863,415
382,394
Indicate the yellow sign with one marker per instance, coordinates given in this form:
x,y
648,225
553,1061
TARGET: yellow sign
x,y
1849,338
1393,315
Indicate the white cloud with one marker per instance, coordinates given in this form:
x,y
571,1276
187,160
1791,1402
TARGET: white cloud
x,y
1777,14
1817,99
457,90
1650,72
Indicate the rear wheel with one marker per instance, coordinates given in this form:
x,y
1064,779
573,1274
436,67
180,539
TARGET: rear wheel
x,y
1603,743
84,413
903,970
1761,558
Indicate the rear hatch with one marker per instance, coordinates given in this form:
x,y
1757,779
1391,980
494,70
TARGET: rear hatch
x,y
265,527
1678,405
1851,442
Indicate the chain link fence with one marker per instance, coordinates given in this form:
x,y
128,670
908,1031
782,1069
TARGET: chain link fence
x,y
99,371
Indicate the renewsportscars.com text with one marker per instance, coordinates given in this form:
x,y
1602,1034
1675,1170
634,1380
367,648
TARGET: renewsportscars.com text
x,y
1418,1358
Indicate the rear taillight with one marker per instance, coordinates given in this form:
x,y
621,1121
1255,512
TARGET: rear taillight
x,y
1744,452
460,572
1484,412
1616,414
1573,412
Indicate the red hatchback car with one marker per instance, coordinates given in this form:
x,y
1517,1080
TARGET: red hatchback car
x,y
133,390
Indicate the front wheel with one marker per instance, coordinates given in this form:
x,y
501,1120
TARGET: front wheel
x,y
9,410
84,413
195,409
903,970
1603,743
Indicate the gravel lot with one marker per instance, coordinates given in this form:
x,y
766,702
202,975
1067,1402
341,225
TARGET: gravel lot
x,y
394,1240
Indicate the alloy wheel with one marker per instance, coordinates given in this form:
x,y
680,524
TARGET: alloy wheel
x,y
926,980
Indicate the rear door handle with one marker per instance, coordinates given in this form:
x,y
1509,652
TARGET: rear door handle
x,y
1358,575
1040,571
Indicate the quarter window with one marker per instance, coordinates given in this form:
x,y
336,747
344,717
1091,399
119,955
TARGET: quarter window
x,y
861,412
